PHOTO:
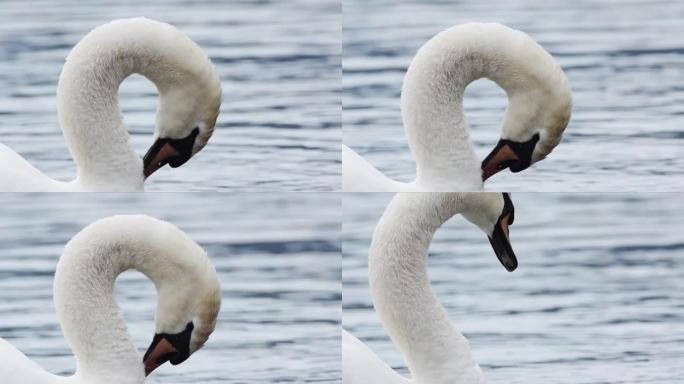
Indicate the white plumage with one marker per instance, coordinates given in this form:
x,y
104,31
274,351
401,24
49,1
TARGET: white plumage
x,y
187,287
435,352
539,102
89,111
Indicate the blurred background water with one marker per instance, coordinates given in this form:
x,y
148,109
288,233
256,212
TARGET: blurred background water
x,y
624,60
277,256
598,296
279,63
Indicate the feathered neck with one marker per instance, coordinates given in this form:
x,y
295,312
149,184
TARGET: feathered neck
x,y
87,94
435,352
432,97
84,289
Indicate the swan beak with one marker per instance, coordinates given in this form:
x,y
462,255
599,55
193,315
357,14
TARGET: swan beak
x,y
502,244
157,157
174,152
500,158
160,353
509,154
168,347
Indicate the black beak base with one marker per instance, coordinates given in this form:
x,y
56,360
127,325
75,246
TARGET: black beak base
x,y
183,148
523,152
179,341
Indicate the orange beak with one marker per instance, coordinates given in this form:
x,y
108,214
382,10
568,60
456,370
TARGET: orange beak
x,y
509,154
501,158
161,158
161,353
174,152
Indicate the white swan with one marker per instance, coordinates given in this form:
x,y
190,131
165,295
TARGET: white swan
x,y
539,108
435,352
91,119
189,298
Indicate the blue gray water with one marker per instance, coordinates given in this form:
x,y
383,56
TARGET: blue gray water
x,y
598,296
277,256
624,61
279,63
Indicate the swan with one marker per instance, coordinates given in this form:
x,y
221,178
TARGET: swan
x,y
539,108
435,352
189,299
91,119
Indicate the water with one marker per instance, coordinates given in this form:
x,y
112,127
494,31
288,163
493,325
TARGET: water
x,y
592,301
624,61
277,256
279,64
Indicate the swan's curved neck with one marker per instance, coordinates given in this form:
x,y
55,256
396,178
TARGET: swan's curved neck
x,y
87,95
91,117
432,111
85,299
433,88
435,352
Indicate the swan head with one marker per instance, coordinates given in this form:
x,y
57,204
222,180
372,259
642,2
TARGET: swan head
x,y
494,215
186,317
188,109
538,112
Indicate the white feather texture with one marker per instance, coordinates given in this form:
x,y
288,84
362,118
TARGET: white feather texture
x,y
89,111
539,101
435,352
187,287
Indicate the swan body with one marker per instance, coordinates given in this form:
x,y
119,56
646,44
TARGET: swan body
x,y
539,108
360,364
435,352
188,293
365,177
91,118
20,365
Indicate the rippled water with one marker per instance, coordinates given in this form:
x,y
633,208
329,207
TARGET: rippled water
x,y
278,259
279,64
624,61
592,301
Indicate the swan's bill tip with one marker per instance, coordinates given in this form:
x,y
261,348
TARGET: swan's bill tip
x,y
511,266
157,355
501,243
